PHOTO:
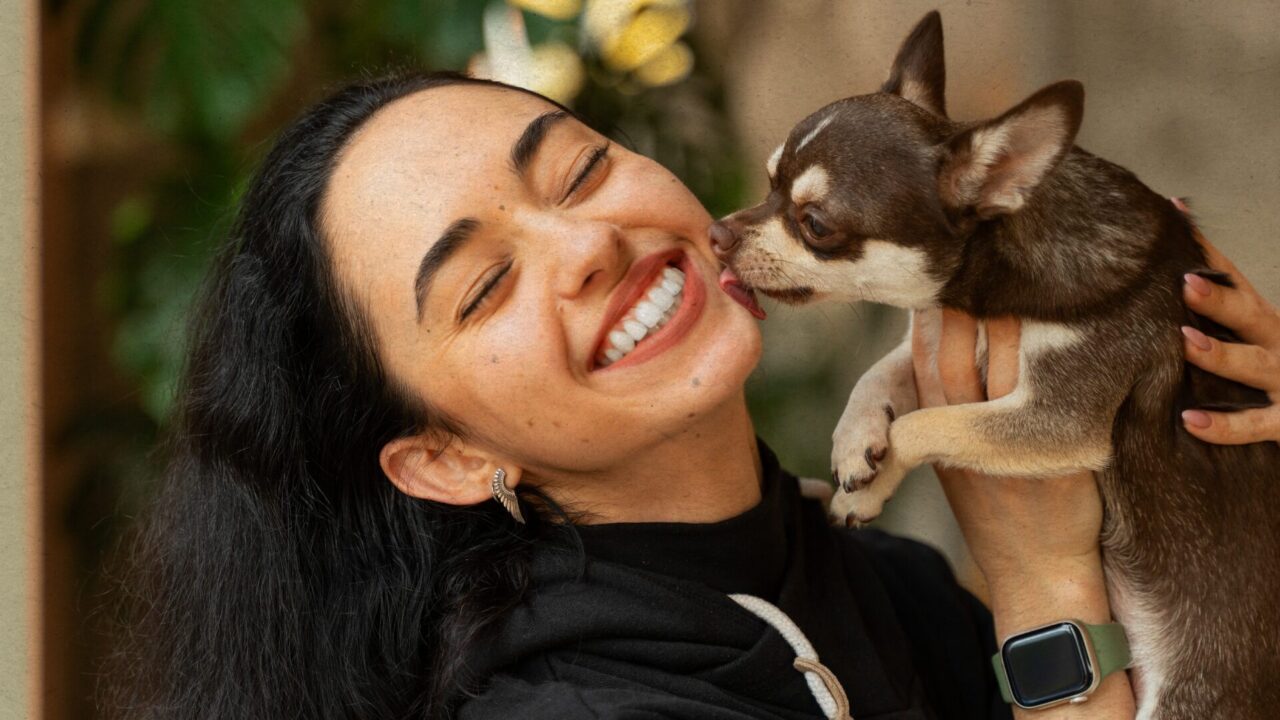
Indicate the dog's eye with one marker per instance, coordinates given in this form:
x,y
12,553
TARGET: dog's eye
x,y
815,226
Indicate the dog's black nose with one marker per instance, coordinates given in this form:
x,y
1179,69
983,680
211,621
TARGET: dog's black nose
x,y
723,239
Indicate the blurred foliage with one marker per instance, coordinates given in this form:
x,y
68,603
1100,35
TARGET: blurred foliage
x,y
208,82
194,92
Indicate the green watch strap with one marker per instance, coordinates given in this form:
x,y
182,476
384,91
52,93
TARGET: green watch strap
x,y
1110,647
1002,678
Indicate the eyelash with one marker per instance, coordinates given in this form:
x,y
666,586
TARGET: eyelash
x,y
592,163
485,292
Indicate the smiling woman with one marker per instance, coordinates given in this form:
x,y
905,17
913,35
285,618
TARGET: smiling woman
x,y
418,291
524,260
442,292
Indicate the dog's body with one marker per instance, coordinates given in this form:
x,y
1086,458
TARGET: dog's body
x,y
881,197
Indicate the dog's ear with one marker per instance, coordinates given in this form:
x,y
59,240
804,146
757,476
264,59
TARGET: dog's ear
x,y
994,166
919,73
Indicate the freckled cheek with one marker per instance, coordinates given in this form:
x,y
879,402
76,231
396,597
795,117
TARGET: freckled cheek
x,y
517,365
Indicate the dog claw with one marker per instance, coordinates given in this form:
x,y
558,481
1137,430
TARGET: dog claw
x,y
852,484
874,456
853,521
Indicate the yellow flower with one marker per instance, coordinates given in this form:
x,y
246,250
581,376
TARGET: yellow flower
x,y
557,72
554,9
671,65
553,69
651,31
630,33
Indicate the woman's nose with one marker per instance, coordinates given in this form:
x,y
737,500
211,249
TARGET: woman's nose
x,y
588,255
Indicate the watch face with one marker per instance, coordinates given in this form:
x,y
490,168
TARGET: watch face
x,y
1046,665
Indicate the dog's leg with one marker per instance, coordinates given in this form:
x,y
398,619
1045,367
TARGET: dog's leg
x,y
1010,436
861,439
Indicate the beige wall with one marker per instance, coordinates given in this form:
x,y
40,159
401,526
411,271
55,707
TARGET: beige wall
x,y
1186,94
18,426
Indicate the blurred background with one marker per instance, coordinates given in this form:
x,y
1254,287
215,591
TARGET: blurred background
x,y
152,113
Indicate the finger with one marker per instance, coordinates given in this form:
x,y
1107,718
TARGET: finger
x,y
958,358
1234,428
1248,364
925,329
1003,338
1213,255
1242,309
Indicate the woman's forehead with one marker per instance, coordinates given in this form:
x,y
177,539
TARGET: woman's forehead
x,y
434,135
422,160
418,165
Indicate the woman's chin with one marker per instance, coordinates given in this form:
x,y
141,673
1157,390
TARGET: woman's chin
x,y
724,355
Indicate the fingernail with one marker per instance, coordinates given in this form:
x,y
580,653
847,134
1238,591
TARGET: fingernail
x,y
1197,418
1197,338
1197,283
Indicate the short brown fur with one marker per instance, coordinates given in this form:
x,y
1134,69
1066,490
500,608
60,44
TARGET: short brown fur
x,y
1092,261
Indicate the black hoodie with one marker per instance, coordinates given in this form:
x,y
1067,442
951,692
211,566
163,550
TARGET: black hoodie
x,y
642,626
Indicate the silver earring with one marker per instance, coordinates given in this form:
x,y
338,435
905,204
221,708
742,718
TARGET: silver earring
x,y
505,496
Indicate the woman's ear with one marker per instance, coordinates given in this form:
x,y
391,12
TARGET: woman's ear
x,y
449,471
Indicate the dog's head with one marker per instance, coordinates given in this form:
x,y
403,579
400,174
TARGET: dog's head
x,y
873,197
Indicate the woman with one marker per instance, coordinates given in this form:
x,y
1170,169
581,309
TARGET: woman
x,y
414,315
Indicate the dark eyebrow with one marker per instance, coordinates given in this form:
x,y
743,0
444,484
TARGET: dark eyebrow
x,y
457,234
450,242
526,145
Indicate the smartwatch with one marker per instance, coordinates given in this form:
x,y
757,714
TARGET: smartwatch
x,y
1059,663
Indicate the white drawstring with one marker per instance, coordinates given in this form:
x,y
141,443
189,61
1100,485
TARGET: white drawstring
x,y
826,689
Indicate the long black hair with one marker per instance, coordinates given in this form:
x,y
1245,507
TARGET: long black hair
x,y
280,574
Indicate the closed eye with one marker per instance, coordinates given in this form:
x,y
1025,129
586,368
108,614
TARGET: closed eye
x,y
485,291
593,162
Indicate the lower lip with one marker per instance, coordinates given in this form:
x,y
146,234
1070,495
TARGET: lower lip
x,y
693,299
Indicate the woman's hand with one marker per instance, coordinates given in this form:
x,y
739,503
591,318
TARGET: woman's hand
x,y
1034,539
1012,525
1254,362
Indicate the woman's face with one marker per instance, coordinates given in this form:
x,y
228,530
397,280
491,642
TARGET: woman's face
x,y
505,254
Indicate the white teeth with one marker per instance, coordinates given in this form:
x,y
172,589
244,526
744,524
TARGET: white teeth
x,y
623,341
648,313
663,299
651,312
636,330
672,280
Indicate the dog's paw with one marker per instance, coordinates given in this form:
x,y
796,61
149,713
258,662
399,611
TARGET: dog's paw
x,y
855,509
859,507
860,443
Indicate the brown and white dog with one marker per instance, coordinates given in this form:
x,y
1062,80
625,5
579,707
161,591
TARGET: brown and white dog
x,y
881,197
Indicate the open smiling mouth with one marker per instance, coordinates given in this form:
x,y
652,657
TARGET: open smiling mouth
x,y
656,306
661,299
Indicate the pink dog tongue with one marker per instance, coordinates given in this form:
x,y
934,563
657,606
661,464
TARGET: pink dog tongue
x,y
743,295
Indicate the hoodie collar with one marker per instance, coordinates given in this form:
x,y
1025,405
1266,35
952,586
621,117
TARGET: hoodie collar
x,y
746,553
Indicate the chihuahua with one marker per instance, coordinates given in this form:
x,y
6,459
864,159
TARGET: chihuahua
x,y
882,197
